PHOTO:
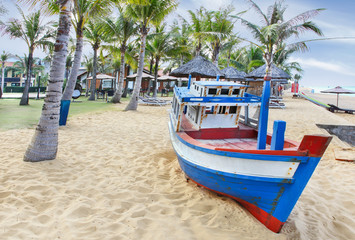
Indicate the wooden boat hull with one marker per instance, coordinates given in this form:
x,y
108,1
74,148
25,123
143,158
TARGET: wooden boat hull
x,y
268,186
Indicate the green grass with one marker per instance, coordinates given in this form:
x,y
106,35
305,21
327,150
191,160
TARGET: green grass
x,y
14,116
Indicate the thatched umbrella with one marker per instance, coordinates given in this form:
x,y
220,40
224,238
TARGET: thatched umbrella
x,y
277,74
144,76
233,74
338,90
197,67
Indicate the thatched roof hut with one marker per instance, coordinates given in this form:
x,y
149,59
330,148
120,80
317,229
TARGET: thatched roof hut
x,y
197,67
231,73
277,74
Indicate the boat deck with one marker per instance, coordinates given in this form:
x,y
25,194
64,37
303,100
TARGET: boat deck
x,y
232,143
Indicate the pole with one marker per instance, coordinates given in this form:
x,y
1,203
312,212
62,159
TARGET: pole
x,y
189,83
38,85
264,114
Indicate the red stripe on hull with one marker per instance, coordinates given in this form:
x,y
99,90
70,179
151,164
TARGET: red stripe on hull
x,y
265,218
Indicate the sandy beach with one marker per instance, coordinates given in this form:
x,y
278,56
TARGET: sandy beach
x,y
116,176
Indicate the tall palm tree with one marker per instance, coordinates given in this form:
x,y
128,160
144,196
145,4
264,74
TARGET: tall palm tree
x,y
159,45
197,28
272,34
93,33
180,40
146,12
35,34
83,10
44,143
218,27
120,31
3,57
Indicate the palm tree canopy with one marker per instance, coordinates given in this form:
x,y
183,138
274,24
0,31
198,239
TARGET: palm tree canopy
x,y
30,29
150,11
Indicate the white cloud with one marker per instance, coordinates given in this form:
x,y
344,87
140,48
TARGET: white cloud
x,y
326,66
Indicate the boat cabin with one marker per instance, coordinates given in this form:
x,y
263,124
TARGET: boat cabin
x,y
207,104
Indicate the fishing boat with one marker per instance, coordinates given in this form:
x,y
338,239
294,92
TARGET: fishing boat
x,y
220,153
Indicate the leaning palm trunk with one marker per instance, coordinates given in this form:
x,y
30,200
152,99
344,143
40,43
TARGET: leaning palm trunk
x,y
69,89
155,77
2,86
44,144
133,103
118,94
24,98
93,80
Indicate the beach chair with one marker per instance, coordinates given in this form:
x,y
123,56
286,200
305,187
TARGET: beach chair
x,y
151,101
334,108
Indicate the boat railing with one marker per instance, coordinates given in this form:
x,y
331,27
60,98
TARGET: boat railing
x,y
182,94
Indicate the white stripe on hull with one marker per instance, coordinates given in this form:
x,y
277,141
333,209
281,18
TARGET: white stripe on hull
x,y
249,167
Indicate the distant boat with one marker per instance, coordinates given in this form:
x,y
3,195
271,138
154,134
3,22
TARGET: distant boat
x,y
219,153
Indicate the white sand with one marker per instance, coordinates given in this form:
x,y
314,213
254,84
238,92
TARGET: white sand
x,y
117,177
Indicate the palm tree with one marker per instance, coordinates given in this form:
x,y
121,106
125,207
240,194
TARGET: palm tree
x,y
44,143
146,12
93,33
3,57
83,11
197,28
120,31
270,36
34,33
218,27
159,45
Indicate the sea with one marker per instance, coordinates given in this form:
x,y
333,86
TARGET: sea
x,y
317,89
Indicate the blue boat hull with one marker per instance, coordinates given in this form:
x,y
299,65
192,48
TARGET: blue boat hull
x,y
270,200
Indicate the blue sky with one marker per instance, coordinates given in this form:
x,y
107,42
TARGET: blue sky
x,y
328,63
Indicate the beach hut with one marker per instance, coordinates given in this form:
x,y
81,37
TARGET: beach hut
x,y
232,74
256,78
338,90
145,80
103,81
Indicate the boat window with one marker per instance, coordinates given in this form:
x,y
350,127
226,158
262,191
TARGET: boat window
x,y
201,92
197,88
177,110
209,110
222,110
236,91
212,91
232,109
224,91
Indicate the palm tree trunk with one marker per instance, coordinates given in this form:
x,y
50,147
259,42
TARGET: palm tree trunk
x,y
87,84
24,98
133,103
2,86
69,88
126,86
93,81
44,144
150,72
118,94
155,77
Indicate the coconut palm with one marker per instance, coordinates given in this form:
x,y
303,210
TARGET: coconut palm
x,y
275,30
197,28
93,33
83,10
146,12
35,34
44,144
120,31
159,45
273,33
218,27
3,57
